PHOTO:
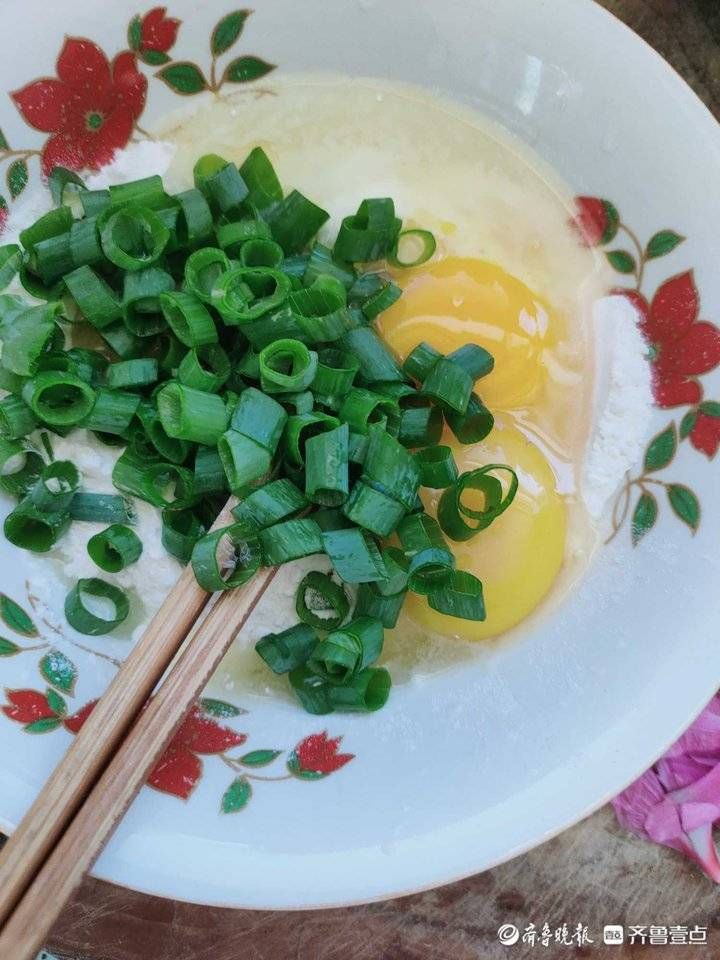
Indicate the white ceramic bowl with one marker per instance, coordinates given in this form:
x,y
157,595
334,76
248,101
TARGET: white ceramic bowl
x,y
489,758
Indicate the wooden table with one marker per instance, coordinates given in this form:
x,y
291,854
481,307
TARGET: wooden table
x,y
593,874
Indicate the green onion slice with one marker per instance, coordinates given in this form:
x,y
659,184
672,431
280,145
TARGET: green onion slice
x,y
59,399
449,384
205,368
437,467
375,359
385,608
420,361
320,602
462,596
115,548
288,650
370,234
373,509
326,467
269,504
474,425
259,417
102,508
354,555
225,558
202,271
133,237
287,366
188,414
188,318
460,521
412,248
181,529
421,426
56,486
311,690
366,692
431,562
290,540
245,461
244,294
33,529
86,615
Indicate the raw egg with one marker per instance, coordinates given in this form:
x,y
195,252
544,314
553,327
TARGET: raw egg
x,y
462,300
519,556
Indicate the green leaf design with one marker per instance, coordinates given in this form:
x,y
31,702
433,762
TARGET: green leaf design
x,y
613,221
220,708
661,449
644,517
661,243
236,796
183,77
134,34
15,617
4,145
711,408
17,177
59,670
153,57
56,702
622,261
8,648
246,69
259,758
3,204
227,31
687,424
43,726
685,504
293,765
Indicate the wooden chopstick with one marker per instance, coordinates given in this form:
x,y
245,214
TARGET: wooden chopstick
x,y
71,789
102,808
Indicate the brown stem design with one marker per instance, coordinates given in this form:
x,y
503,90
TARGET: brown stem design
x,y
237,767
214,85
144,133
19,154
640,271
624,498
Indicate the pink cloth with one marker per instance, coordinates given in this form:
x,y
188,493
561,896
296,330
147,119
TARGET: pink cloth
x,y
677,801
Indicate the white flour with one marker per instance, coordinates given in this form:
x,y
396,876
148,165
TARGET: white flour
x,y
623,401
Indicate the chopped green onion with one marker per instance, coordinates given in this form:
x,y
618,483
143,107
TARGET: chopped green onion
x,y
146,192
16,418
462,597
31,528
290,540
326,467
322,263
52,224
85,247
294,221
259,417
320,602
133,237
421,426
209,474
195,221
224,189
269,504
181,529
225,558
287,366
80,616
354,555
56,486
455,517
431,562
473,425
59,183
370,234
94,202
28,336
10,260
285,651
347,651
231,237
335,374
125,344
102,508
366,692
59,399
413,238
397,566
52,258
390,467
373,509
245,461
131,374
188,319
437,467
420,361
298,403
202,270
363,408
173,449
141,300
89,365
299,429
448,384
244,294
114,548
382,300
375,359
204,368
385,608
475,360
188,414
261,253
312,691
263,185
158,483
19,468
320,310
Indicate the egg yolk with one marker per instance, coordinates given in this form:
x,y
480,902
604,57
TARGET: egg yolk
x,y
462,300
447,304
519,556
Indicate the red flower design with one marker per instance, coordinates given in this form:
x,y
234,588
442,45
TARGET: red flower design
x,y
90,109
74,723
317,754
179,769
26,706
158,32
705,435
683,347
596,222
3,214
